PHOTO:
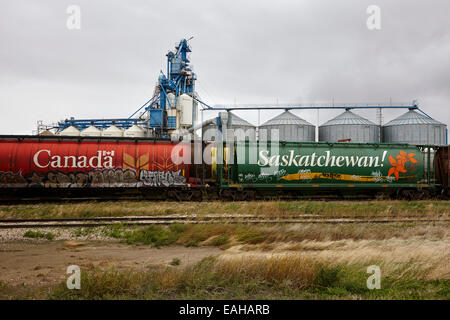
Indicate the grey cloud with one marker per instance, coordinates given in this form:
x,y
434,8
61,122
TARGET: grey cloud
x,y
244,51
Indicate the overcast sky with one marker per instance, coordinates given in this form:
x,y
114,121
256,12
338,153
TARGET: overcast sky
x,y
243,51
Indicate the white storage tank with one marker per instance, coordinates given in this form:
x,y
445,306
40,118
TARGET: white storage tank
x,y
351,127
185,105
70,131
135,132
290,128
91,132
415,128
112,131
171,98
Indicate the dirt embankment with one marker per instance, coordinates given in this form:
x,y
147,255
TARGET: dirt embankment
x,y
45,263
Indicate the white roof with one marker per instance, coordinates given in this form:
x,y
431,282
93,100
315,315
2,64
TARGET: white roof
x,y
91,131
113,129
286,118
412,117
348,118
70,131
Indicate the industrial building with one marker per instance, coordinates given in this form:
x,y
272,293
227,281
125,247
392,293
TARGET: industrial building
x,y
172,112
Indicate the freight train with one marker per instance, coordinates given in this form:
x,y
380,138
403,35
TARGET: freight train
x,y
65,167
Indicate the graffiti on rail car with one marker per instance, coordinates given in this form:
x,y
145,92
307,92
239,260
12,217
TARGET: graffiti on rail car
x,y
162,178
69,164
94,178
58,179
11,179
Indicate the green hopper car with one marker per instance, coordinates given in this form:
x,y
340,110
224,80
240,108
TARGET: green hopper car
x,y
248,168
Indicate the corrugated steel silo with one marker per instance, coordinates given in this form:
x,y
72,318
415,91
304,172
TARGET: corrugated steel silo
x,y
415,128
349,126
290,128
242,129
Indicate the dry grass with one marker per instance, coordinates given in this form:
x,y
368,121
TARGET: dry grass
x,y
429,260
284,262
263,208
245,277
298,271
298,261
227,235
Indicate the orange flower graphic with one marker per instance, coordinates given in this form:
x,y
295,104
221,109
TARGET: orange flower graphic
x,y
398,166
404,157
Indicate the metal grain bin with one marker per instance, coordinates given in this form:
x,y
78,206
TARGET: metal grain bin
x,y
415,128
135,132
91,132
351,127
70,131
112,131
242,130
46,133
290,128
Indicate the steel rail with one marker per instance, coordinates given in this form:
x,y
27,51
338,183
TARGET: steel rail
x,y
166,220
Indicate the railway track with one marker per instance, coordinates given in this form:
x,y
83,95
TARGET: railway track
x,y
210,219
18,200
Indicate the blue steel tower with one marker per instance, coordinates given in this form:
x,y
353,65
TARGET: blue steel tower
x,y
173,105
179,80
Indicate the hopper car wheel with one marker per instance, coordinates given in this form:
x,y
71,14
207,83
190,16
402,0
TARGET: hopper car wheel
x,y
245,195
381,196
185,195
249,195
422,194
238,195
227,195
444,194
173,195
197,195
406,194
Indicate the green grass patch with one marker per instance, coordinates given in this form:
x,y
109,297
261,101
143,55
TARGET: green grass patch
x,y
192,235
175,262
252,237
116,231
267,208
265,279
83,232
220,240
153,235
38,234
